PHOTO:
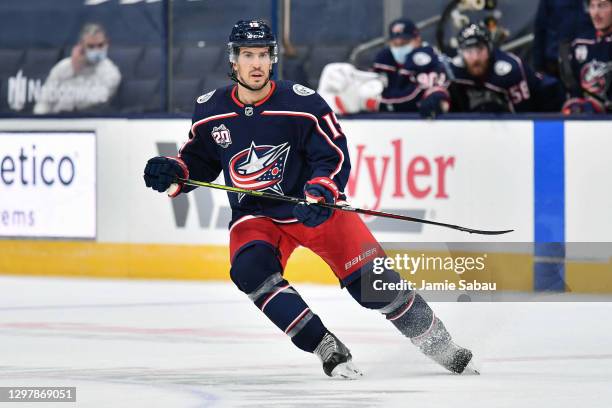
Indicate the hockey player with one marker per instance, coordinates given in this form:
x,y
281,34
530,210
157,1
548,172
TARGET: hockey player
x,y
281,137
589,76
416,78
486,79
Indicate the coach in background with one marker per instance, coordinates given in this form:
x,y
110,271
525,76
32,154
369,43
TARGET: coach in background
x,y
587,71
486,79
84,82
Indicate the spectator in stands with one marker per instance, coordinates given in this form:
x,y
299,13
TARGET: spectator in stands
x,y
486,79
84,82
557,23
588,71
416,77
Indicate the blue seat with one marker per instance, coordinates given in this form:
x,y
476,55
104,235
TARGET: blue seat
x,y
126,59
196,62
139,96
185,93
11,62
151,65
214,81
39,61
322,55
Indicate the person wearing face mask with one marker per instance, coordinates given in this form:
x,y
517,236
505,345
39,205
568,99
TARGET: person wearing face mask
x,y
416,77
84,82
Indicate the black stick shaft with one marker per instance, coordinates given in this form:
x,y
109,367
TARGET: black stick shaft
x,y
364,211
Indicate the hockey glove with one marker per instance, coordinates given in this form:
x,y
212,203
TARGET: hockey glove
x,y
433,105
320,189
582,105
160,173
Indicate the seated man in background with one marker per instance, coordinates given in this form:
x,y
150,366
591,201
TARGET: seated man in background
x,y
416,77
486,79
86,81
587,72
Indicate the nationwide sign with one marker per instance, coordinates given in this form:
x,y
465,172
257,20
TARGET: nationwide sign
x,y
48,184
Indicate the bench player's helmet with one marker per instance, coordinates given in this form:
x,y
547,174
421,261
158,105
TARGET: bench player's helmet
x,y
250,33
472,35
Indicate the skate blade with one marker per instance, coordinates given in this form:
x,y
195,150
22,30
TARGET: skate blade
x,y
346,371
471,369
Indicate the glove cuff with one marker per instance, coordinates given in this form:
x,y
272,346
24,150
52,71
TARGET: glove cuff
x,y
326,183
175,188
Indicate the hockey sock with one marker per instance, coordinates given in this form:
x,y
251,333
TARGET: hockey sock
x,y
256,272
405,309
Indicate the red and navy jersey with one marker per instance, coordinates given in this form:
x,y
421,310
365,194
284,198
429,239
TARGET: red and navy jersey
x,y
591,62
508,86
275,145
421,74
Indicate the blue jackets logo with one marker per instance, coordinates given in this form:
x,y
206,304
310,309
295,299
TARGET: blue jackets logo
x,y
259,168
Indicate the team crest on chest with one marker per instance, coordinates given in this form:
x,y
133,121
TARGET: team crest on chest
x,y
221,135
593,76
259,168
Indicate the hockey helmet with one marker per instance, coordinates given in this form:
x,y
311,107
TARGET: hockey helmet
x,y
251,33
472,35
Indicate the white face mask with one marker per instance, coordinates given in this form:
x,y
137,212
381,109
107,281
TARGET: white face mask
x,y
400,53
96,55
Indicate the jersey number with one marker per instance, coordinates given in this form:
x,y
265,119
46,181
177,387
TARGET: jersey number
x,y
431,79
519,93
332,123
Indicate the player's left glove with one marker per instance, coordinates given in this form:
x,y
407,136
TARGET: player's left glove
x,y
320,189
433,104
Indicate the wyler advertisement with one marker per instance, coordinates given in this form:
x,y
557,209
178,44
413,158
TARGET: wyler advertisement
x,y
474,174
48,184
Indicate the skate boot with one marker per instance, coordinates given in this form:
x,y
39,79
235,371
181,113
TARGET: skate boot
x,y
336,358
437,344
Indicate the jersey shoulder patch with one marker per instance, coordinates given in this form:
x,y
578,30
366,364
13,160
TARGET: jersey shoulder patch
x,y
204,98
302,90
421,58
502,68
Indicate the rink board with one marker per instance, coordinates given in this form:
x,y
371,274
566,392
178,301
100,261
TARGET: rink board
x,y
482,174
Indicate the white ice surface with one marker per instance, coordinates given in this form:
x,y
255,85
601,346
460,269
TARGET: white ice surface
x,y
193,344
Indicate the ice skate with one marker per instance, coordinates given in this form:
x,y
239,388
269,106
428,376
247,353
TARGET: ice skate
x,y
437,344
336,358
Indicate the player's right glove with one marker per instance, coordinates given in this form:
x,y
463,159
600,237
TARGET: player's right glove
x,y
320,189
161,172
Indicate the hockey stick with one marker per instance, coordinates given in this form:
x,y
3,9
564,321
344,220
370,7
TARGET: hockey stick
x,y
296,200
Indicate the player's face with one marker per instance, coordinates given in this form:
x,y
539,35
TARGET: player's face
x,y
253,66
601,14
476,60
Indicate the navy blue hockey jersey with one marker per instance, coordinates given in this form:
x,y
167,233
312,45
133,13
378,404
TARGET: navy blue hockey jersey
x,y
276,145
409,82
508,86
592,68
